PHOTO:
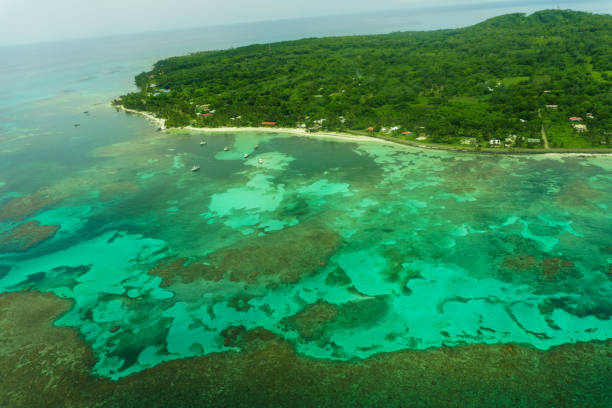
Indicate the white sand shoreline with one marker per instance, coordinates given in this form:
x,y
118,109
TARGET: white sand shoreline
x,y
161,123
293,131
158,121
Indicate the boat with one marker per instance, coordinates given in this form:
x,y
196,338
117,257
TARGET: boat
x,y
77,124
259,161
246,155
195,167
225,149
202,143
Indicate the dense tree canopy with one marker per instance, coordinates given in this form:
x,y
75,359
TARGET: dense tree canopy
x,y
483,82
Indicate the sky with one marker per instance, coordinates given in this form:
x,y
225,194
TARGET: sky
x,y
30,21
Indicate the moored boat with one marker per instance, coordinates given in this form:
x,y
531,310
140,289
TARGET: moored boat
x,y
195,167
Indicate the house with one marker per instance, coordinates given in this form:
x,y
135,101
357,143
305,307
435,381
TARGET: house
x,y
152,76
495,142
268,123
590,116
421,138
575,119
579,127
552,106
406,133
468,141
370,129
206,115
534,141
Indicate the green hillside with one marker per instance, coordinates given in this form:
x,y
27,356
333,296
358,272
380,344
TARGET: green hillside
x,y
488,81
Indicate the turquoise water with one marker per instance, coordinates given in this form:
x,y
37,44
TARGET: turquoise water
x,y
345,249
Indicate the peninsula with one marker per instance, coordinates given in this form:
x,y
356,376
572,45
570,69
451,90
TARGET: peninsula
x,y
540,81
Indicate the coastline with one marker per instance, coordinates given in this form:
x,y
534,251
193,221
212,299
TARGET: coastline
x,y
161,123
292,131
158,121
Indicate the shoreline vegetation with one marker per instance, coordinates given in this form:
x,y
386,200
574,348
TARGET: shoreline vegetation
x,y
354,137
513,84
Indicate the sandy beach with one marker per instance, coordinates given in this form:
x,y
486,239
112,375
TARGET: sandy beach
x,y
293,131
161,123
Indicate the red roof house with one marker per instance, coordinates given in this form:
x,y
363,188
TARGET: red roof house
x,y
268,123
575,119
370,129
406,133
207,114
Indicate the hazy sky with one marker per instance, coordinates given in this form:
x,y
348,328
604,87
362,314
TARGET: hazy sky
x,y
23,21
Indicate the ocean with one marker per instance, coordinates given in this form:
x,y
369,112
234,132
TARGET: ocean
x,y
342,251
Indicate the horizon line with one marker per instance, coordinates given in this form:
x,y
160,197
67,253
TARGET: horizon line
x,y
490,5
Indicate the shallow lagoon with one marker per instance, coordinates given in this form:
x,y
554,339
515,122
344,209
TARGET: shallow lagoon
x,y
344,249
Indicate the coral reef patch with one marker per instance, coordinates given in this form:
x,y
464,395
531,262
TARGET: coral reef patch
x,y
25,236
51,366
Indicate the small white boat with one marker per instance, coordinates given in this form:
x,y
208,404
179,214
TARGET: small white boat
x,y
259,161
246,155
225,149
202,143
195,167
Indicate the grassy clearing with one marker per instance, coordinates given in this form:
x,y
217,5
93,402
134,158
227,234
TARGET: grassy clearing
x,y
564,136
514,80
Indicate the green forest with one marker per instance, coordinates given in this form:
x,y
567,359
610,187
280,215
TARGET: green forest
x,y
511,81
